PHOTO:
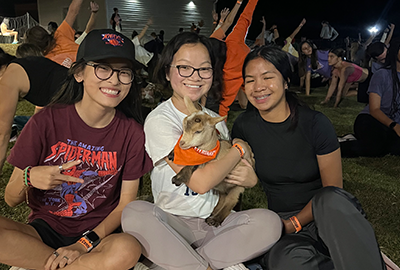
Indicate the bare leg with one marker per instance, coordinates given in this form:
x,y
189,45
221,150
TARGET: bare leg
x,y
21,245
15,34
116,251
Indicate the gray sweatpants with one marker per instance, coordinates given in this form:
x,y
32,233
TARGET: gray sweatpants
x,y
176,242
340,238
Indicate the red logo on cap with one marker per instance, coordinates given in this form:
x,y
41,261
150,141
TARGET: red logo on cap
x,y
113,39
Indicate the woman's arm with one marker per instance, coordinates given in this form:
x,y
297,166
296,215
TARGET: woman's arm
x,y
94,8
231,17
335,34
73,11
106,227
332,87
390,35
143,32
344,74
297,30
308,83
41,177
14,84
330,168
376,112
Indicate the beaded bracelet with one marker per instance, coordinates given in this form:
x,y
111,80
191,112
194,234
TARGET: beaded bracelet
x,y
27,176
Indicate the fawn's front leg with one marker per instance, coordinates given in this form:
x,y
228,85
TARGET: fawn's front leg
x,y
184,175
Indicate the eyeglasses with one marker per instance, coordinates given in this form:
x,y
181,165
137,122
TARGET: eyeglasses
x,y
187,71
104,72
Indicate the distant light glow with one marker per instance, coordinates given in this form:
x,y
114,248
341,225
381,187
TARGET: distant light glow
x,y
191,4
373,29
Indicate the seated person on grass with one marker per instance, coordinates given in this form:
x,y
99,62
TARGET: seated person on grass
x,y
77,164
299,166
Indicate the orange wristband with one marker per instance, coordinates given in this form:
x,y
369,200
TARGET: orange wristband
x,y
239,148
85,243
296,224
239,2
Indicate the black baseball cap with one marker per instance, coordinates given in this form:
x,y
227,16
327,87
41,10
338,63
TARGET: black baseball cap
x,y
107,43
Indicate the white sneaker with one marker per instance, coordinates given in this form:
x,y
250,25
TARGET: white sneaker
x,y
140,266
239,266
17,268
347,138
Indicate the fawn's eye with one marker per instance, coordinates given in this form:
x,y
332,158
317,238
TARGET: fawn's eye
x,y
197,120
198,132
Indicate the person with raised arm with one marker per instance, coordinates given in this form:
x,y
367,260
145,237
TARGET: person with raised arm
x,y
94,8
60,47
236,51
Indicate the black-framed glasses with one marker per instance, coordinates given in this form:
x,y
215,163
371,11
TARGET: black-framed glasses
x,y
104,72
187,71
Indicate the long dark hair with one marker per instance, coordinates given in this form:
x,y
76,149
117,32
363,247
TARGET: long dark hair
x,y
391,64
339,52
38,36
72,92
174,45
5,58
303,58
280,60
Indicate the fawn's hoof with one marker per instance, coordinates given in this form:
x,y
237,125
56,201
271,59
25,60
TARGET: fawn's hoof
x,y
213,221
177,180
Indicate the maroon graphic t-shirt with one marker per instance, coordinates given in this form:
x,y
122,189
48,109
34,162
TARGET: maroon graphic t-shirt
x,y
58,135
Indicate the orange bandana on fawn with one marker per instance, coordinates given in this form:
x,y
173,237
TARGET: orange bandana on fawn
x,y
193,156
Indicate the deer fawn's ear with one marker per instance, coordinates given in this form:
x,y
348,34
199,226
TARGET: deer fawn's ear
x,y
215,120
189,105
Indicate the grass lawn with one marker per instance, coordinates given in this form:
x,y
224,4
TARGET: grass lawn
x,y
374,181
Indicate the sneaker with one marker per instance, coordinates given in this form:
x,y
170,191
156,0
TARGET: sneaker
x,y
15,42
347,138
239,266
17,268
14,133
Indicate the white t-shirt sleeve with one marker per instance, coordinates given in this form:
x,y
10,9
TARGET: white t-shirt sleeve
x,y
161,137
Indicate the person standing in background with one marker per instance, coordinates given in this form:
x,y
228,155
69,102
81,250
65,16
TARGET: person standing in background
x,y
115,21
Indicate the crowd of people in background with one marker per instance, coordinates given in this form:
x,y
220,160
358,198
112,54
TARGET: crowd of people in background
x,y
79,159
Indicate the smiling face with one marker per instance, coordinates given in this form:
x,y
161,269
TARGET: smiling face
x,y
106,94
306,49
265,87
196,56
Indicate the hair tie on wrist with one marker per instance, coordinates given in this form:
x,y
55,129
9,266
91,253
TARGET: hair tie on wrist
x,y
239,148
296,224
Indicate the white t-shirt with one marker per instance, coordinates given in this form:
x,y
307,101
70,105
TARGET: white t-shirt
x,y
141,54
163,127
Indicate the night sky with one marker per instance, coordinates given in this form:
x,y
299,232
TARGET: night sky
x,y
348,17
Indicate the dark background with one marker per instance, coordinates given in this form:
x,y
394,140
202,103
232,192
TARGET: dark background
x,y
348,17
